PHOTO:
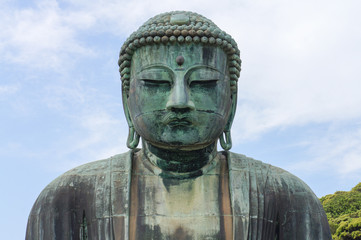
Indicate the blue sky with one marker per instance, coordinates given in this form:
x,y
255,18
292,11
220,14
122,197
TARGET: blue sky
x,y
60,105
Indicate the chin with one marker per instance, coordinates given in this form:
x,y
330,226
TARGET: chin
x,y
182,147
176,144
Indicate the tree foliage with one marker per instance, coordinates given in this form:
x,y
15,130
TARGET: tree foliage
x,y
343,211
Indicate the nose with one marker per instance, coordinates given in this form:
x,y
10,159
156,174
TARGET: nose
x,y
179,97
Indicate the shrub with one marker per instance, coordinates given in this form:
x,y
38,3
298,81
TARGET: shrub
x,y
343,210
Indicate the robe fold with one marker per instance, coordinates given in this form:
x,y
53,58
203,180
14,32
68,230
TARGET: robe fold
x,y
93,202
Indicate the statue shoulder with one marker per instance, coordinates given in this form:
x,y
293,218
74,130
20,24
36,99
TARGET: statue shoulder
x,y
287,200
120,162
87,175
240,163
74,192
267,173
92,170
273,182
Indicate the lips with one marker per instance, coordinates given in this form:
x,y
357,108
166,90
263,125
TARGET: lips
x,y
176,119
179,122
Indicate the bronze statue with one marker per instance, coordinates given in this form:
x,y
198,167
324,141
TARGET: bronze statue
x,y
179,76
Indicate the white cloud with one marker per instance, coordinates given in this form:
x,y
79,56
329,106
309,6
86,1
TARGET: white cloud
x,y
300,65
95,128
338,152
97,135
65,98
41,37
6,90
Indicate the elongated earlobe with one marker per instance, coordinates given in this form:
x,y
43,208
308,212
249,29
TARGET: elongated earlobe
x,y
225,139
226,144
133,138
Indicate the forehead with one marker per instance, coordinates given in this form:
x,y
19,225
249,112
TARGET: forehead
x,y
194,54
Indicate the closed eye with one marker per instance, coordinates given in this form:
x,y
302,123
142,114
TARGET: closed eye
x,y
204,83
155,82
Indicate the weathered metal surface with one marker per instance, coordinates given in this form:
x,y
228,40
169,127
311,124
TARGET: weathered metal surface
x,y
88,202
179,74
271,203
173,208
179,107
264,202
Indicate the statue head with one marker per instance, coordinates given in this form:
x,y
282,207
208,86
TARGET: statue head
x,y
179,76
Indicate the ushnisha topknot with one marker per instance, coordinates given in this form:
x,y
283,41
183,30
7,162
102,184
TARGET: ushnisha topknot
x,y
182,27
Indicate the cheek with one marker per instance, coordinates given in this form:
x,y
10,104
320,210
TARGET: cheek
x,y
216,98
224,101
145,99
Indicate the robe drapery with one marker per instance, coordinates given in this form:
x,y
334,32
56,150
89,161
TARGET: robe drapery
x,y
93,202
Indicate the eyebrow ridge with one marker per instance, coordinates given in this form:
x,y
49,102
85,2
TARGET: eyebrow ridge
x,y
156,66
193,68
202,66
187,71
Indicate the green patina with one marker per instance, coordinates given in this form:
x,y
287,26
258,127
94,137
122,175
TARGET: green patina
x,y
179,76
179,27
179,106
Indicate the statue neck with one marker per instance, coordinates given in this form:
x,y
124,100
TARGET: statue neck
x,y
179,161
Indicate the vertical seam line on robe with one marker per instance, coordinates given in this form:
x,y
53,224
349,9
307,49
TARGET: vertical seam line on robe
x,y
111,228
129,158
230,176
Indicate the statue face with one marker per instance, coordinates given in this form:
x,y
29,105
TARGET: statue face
x,y
179,96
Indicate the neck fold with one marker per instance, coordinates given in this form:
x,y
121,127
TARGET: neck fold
x,y
177,161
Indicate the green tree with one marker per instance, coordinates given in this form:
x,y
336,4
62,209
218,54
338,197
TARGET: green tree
x,y
343,211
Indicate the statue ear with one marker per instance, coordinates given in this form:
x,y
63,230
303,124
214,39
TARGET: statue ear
x,y
233,111
133,136
226,142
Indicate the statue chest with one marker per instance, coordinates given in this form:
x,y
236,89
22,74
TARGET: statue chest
x,y
168,208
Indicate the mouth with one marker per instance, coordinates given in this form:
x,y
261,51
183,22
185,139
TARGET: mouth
x,y
173,119
179,122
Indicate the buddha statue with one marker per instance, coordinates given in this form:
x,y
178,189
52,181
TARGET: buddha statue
x,y
179,75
